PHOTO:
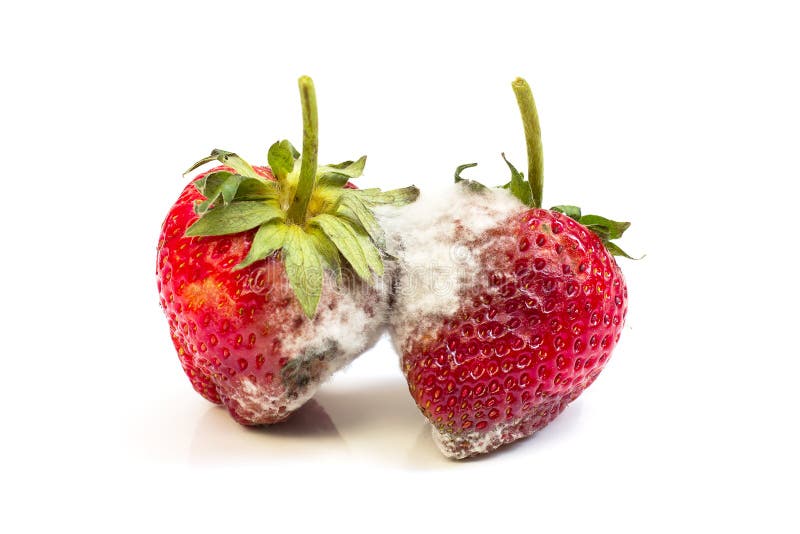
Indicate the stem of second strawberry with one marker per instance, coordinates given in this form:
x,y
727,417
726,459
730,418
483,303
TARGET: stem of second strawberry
x,y
308,163
533,138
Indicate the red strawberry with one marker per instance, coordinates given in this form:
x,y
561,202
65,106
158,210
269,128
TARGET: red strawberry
x,y
510,312
270,277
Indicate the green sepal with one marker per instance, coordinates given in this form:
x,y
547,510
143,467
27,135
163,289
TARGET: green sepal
x,y
461,169
351,168
573,212
472,185
256,189
208,186
371,253
303,268
344,212
614,250
210,181
231,187
226,158
605,228
518,187
354,208
346,241
328,251
307,237
235,217
268,239
332,179
281,157
393,197
218,184
338,174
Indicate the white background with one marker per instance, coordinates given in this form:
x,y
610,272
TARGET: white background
x,y
680,117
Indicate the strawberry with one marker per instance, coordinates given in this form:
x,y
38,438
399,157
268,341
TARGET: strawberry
x,y
505,312
270,277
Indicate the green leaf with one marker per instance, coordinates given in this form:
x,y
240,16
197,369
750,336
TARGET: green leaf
x,y
304,268
222,183
600,231
333,179
461,168
230,159
393,197
605,228
229,187
573,212
235,162
235,217
518,186
616,251
209,186
338,174
232,187
257,189
281,159
199,163
358,209
474,186
269,238
370,251
327,250
345,212
351,169
211,182
343,237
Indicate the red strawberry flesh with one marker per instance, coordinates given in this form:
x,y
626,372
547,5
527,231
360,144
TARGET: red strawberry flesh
x,y
534,329
231,327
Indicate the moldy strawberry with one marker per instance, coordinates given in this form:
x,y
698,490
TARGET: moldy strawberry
x,y
504,312
271,277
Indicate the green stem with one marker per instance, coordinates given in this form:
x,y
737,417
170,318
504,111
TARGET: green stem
x,y
308,163
533,138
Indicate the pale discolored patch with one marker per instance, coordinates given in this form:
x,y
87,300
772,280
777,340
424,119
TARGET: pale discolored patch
x,y
208,292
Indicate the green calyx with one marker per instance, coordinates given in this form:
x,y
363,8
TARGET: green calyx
x,y
529,191
606,229
306,217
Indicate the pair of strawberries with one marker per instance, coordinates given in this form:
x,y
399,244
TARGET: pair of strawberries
x,y
273,278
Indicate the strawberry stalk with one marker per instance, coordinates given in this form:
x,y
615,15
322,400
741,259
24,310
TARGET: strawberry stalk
x,y
533,139
529,191
308,218
308,163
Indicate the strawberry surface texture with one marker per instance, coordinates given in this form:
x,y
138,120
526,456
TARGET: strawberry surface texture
x,y
503,312
242,338
271,278
516,320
